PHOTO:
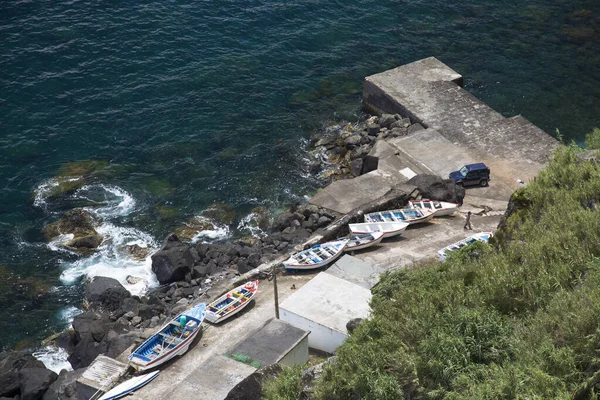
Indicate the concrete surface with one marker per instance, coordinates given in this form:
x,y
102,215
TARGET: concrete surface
x,y
211,380
460,130
172,383
101,375
355,270
271,342
323,306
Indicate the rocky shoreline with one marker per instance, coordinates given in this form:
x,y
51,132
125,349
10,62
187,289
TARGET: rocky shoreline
x,y
114,319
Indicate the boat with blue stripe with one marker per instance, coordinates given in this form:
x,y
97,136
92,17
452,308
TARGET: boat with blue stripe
x,y
172,340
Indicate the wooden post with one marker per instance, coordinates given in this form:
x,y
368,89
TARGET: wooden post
x,y
276,297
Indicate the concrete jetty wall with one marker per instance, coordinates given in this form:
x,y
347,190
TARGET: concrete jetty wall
x,y
431,93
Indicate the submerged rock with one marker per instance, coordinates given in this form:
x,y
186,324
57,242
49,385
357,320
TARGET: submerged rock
x,y
70,177
78,223
223,213
192,227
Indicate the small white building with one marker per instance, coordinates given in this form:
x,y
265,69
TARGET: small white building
x,y
323,306
275,342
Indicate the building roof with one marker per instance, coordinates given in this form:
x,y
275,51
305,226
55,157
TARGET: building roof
x,y
329,301
356,271
270,342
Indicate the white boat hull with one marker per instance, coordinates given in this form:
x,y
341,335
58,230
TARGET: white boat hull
x,y
129,386
389,229
295,261
439,208
210,317
482,237
377,238
178,351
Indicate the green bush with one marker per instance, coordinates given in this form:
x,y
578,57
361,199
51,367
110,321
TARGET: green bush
x,y
518,319
286,386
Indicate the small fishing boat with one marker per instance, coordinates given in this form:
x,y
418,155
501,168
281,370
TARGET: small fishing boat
x,y
439,208
359,241
173,339
389,229
481,237
409,215
130,385
231,302
317,256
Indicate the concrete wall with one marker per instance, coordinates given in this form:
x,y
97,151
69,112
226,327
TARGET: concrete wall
x,y
321,337
296,356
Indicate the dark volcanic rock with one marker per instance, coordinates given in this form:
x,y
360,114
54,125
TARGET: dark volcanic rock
x,y
33,382
64,387
356,166
251,387
353,324
95,335
11,363
352,141
373,129
386,120
104,293
435,188
173,261
80,224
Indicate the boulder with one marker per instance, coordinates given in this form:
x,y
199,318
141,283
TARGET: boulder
x,y
64,387
356,166
173,261
435,188
103,293
78,223
352,141
33,382
309,379
11,363
283,221
85,242
403,123
353,324
589,155
386,120
415,128
323,221
136,251
373,129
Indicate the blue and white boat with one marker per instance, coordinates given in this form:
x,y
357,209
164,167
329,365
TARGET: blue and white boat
x,y
172,340
317,256
481,237
409,215
130,385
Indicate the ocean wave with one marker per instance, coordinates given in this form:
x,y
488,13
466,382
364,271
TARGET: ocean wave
x,y
113,260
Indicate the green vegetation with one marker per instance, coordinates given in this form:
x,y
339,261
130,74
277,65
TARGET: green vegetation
x,y
517,319
286,386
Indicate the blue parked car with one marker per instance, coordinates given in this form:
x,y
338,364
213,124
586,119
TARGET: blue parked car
x,y
471,174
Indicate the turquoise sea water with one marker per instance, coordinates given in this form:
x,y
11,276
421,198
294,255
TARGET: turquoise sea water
x,y
195,102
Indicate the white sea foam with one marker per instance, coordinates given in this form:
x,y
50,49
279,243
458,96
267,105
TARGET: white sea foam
x,y
45,188
117,202
249,224
219,232
54,358
66,314
112,260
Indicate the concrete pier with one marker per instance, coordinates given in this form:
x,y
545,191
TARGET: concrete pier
x,y
459,129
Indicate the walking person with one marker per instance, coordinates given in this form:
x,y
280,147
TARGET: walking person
x,y
468,221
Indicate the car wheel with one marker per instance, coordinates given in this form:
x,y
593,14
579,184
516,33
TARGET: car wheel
x,y
483,183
